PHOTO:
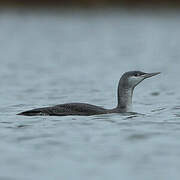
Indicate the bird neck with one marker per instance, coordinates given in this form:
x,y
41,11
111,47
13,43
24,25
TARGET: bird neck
x,y
125,98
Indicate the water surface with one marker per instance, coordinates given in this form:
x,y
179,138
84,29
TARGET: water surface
x,y
52,57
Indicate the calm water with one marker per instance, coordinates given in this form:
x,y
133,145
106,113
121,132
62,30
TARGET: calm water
x,y
53,57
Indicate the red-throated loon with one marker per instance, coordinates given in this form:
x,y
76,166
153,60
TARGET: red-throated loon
x,y
127,83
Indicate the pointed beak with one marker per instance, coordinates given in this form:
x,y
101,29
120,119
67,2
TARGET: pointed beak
x,y
148,75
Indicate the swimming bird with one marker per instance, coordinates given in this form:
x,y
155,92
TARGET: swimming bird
x,y
127,83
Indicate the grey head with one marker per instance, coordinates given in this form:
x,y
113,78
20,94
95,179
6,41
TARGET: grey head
x,y
132,78
127,83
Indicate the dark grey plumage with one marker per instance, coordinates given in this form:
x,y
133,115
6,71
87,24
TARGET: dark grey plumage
x,y
127,83
66,109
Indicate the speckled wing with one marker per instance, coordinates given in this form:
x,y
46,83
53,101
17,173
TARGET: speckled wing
x,y
65,110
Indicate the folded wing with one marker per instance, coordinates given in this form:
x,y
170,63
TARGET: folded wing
x,y
66,109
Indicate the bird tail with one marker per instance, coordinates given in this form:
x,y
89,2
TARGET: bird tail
x,y
31,113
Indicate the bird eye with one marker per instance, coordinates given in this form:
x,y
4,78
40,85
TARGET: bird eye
x,y
137,75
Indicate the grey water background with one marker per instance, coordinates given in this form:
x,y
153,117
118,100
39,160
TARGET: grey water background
x,y
55,56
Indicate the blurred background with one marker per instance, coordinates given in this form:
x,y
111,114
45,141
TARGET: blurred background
x,y
90,3
54,52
